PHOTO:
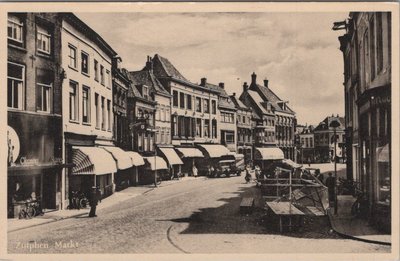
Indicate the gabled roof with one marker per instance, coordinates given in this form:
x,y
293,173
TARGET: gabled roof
x,y
258,101
324,125
146,77
239,104
164,68
271,97
221,92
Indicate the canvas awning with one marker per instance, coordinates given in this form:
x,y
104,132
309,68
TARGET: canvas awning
x,y
291,163
92,161
268,154
383,153
172,157
122,158
156,163
137,159
214,150
190,153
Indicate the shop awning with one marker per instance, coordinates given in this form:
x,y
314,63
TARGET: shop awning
x,y
291,163
215,150
156,163
137,159
92,161
190,152
268,154
122,158
172,157
383,153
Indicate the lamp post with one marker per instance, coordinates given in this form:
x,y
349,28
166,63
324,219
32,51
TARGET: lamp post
x,y
334,124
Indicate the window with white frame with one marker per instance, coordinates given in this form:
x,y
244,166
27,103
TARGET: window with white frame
x,y
108,79
85,104
145,92
15,85
15,28
72,56
103,114
73,101
85,63
44,83
229,137
43,38
97,107
108,115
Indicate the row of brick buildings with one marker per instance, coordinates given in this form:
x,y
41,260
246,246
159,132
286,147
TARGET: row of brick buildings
x,y
77,119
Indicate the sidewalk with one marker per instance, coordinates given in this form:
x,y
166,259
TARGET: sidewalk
x,y
15,224
356,228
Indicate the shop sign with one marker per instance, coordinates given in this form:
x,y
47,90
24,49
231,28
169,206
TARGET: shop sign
x,y
13,146
56,160
377,101
28,162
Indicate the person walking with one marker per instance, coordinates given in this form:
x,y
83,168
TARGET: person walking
x,y
194,170
330,183
94,198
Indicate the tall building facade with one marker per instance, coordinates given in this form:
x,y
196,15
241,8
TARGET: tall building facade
x,y
34,133
366,48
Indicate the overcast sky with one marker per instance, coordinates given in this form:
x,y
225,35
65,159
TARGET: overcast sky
x,y
297,53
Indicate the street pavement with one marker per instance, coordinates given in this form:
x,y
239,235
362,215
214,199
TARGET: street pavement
x,y
197,216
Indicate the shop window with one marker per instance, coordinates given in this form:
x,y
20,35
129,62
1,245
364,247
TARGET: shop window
x,y
15,29
384,180
43,38
15,85
44,84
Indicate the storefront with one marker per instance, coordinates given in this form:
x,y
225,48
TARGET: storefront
x,y
266,157
124,167
173,160
154,169
94,166
375,152
137,161
213,153
188,155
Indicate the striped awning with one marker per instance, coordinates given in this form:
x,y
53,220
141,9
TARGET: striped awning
x,y
92,161
137,159
268,154
122,158
214,150
156,163
190,153
172,157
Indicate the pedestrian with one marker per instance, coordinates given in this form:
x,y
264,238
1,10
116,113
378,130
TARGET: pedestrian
x,y
194,170
309,162
257,172
330,183
248,175
93,201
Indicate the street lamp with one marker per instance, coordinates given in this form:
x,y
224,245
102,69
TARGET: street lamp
x,y
334,124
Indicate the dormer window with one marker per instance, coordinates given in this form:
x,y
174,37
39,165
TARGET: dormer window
x,y
145,92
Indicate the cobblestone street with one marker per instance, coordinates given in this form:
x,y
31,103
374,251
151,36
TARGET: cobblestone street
x,y
198,216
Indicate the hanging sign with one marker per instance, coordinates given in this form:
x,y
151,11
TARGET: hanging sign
x,y
13,145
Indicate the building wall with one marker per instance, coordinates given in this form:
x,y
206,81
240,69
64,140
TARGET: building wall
x,y
120,129
163,119
193,115
71,36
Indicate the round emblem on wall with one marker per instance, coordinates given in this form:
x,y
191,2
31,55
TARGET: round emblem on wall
x,y
13,145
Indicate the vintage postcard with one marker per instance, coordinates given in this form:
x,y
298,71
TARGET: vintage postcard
x,y
221,131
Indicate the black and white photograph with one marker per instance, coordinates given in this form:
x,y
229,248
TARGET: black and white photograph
x,y
202,128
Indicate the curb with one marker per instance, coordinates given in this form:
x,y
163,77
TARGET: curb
x,y
355,237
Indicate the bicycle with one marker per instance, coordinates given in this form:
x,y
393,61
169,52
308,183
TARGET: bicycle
x,y
360,206
78,200
27,212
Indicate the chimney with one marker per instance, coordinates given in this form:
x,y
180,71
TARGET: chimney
x,y
149,63
203,81
266,83
222,85
253,78
234,94
245,87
